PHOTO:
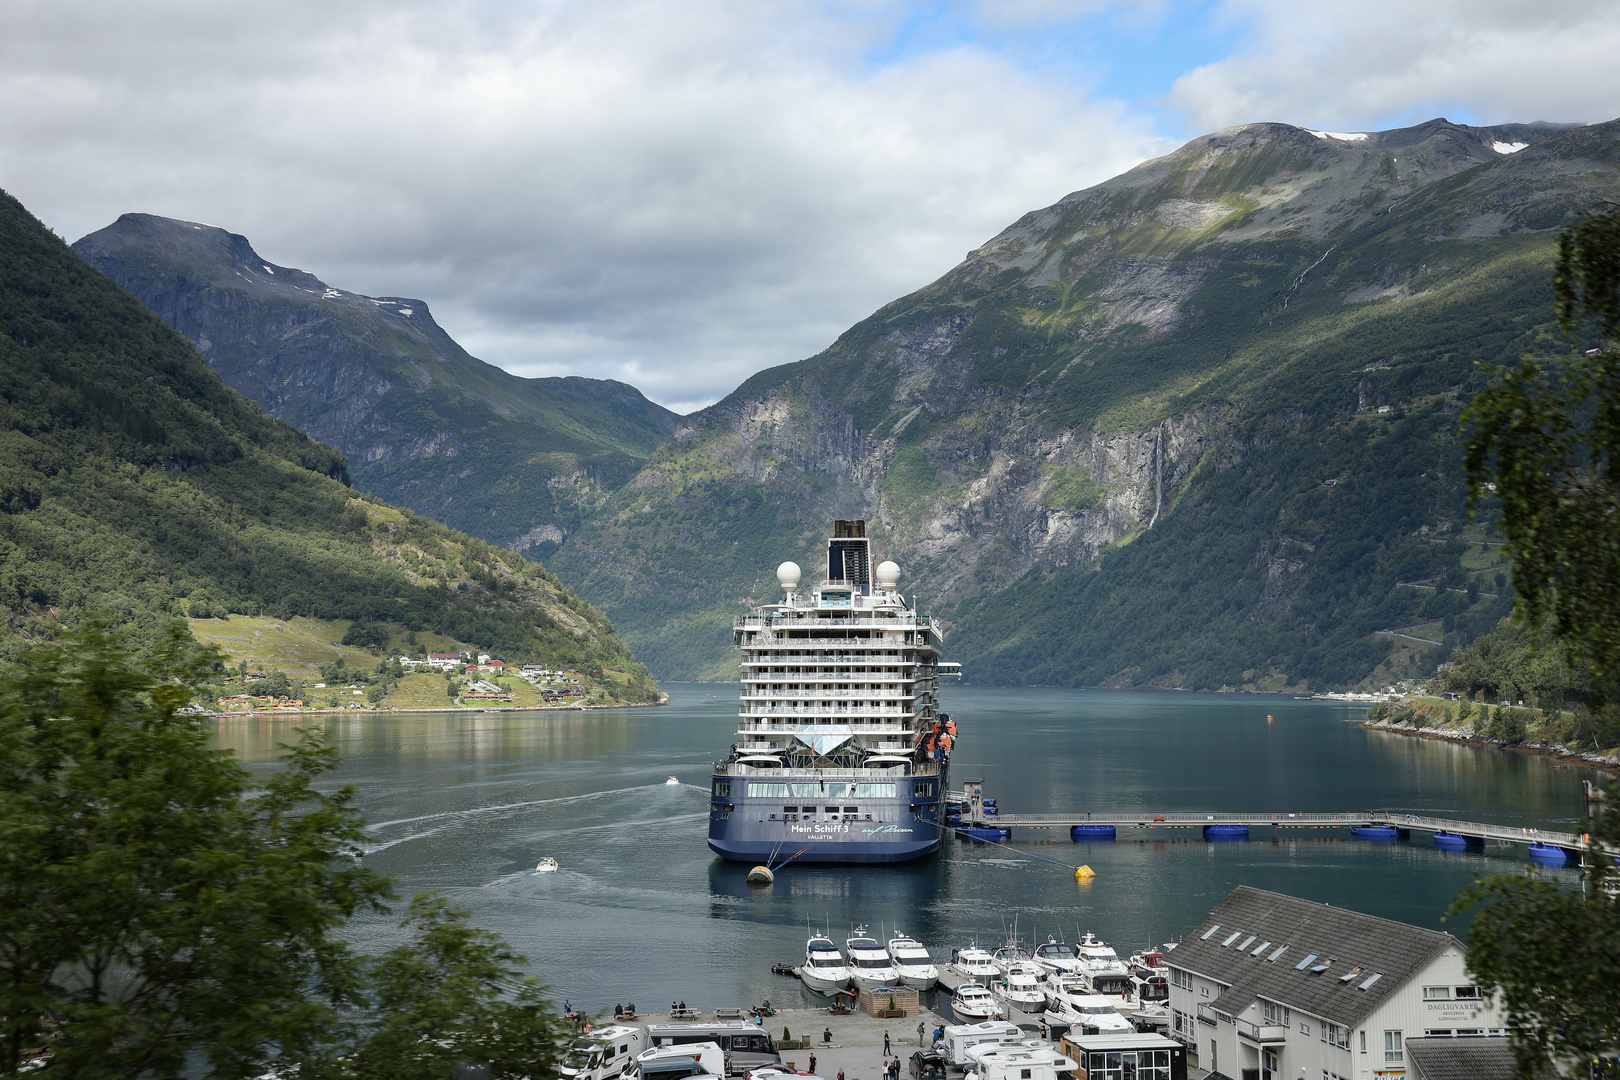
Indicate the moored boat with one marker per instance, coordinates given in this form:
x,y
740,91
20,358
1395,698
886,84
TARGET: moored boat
x,y
970,1001
824,969
974,963
869,963
911,960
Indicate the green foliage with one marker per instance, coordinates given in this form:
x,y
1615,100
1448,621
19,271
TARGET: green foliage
x,y
1517,664
1072,489
136,478
453,996
1545,442
1523,935
366,634
157,905
912,477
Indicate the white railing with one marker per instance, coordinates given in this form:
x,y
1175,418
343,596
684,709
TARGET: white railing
x,y
828,676
863,710
808,621
773,695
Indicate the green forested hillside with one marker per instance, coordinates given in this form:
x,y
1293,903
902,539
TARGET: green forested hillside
x,y
1194,426
133,480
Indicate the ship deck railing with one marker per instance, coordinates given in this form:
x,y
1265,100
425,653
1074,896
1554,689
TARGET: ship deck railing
x,y
861,710
799,642
886,677
812,619
923,770
774,695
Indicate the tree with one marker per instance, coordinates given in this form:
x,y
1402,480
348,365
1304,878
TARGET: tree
x,y
453,995
1545,441
157,907
156,904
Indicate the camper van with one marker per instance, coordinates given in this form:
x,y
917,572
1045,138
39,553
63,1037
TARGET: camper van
x,y
1027,1062
602,1055
698,1059
961,1038
747,1046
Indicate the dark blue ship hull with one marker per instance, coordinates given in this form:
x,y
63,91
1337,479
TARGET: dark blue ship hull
x,y
755,830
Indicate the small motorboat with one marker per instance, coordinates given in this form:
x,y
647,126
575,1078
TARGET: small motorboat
x,y
672,782
869,963
1090,1011
824,969
973,1002
912,961
548,865
1056,957
1020,988
972,962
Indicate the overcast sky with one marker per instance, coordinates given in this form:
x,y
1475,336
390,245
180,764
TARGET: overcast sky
x,y
680,193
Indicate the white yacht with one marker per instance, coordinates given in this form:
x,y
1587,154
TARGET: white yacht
x,y
973,1002
912,961
824,968
1055,957
1020,987
869,964
1098,958
974,963
1090,1011
1061,988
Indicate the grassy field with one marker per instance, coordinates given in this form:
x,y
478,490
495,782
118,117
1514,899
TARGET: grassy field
x,y
297,646
419,692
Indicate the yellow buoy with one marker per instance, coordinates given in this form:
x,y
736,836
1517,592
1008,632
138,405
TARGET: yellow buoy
x,y
1085,872
760,875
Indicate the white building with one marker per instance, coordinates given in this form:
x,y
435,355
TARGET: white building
x,y
1271,987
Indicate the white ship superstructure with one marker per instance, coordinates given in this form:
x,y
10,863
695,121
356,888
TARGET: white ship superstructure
x,y
841,748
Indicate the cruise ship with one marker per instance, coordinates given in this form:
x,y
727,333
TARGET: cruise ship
x,y
842,753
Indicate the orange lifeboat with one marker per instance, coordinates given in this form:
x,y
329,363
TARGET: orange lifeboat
x,y
950,726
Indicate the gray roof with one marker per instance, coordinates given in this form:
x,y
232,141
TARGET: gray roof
x,y
1486,1057
1364,944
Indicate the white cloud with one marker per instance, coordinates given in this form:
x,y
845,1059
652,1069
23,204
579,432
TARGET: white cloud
x,y
1381,63
676,195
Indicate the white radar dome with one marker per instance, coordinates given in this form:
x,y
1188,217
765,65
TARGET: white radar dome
x,y
888,575
788,575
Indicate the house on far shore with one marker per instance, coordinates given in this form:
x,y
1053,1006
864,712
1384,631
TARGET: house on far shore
x,y
1275,987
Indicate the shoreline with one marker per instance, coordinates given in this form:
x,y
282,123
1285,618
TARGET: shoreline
x,y
274,713
1539,747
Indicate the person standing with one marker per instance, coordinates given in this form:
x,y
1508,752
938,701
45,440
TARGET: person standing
x,y
812,1062
886,1051
922,1029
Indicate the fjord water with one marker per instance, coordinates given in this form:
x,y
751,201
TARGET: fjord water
x,y
465,804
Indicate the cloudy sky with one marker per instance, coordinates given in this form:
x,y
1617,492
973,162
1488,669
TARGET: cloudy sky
x,y
679,193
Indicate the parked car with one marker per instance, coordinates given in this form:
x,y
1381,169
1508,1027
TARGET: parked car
x,y
927,1065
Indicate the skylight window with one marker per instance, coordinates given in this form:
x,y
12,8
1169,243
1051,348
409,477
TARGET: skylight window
x,y
1351,974
1258,949
1317,969
1231,939
1210,932
1375,977
1247,942
1305,963
1272,959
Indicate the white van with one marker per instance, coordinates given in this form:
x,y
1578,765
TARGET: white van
x,y
602,1055
747,1046
960,1038
698,1059
1020,1063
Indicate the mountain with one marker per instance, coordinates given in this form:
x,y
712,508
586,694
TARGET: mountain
x,y
423,424
134,481
1194,426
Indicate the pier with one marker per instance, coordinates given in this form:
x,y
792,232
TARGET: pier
x,y
1300,820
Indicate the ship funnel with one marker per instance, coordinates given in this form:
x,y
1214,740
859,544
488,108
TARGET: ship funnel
x,y
788,575
888,575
